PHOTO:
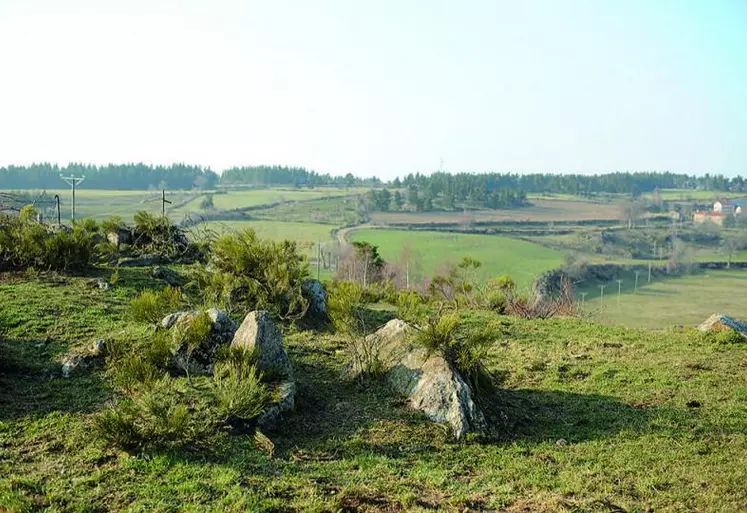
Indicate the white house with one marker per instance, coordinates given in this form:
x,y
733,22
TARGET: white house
x,y
730,206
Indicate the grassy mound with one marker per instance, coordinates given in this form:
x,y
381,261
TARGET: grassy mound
x,y
595,419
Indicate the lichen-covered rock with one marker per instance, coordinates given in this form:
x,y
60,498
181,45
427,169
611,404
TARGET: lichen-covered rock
x,y
74,364
720,322
259,332
202,359
77,363
286,401
314,292
168,275
121,236
431,384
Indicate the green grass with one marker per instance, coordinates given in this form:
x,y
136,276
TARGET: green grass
x,y
693,195
654,421
306,234
252,198
687,300
433,250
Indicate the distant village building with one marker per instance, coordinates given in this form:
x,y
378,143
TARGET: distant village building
x,y
721,210
729,206
702,216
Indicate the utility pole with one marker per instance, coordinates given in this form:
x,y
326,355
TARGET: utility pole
x,y
407,275
619,292
72,181
318,259
57,199
163,202
649,272
583,299
601,296
635,287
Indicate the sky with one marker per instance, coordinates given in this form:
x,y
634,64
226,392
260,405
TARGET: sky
x,y
379,88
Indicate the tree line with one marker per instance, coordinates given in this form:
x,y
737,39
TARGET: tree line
x,y
461,184
427,199
500,190
111,176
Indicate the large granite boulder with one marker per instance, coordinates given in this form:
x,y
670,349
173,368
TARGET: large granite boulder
x,y
202,359
430,383
259,332
720,322
314,292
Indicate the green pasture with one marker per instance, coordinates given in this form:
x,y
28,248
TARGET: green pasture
x,y
432,252
686,300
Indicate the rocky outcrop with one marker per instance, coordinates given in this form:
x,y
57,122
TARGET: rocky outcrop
x,y
202,359
430,383
79,362
314,292
720,322
168,275
258,332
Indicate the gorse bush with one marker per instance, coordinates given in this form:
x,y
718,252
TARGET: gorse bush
x,y
151,306
237,387
160,408
249,273
346,310
157,418
25,243
465,349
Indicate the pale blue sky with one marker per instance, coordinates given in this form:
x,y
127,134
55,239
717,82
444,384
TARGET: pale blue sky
x,y
380,87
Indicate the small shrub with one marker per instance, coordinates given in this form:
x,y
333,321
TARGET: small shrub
x,y
157,418
497,301
345,306
410,305
464,349
727,336
238,391
190,335
151,306
134,372
251,273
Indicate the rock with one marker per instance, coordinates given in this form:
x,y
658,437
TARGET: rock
x,y
98,348
286,402
719,322
314,292
98,283
141,261
120,236
73,364
430,383
76,363
203,357
259,332
170,276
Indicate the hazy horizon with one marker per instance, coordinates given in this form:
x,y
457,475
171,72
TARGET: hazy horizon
x,y
382,89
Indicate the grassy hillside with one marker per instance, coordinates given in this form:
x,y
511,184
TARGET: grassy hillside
x,y
306,234
433,250
686,300
596,419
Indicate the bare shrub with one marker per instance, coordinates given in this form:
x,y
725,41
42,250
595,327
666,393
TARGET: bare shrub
x,y
532,305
